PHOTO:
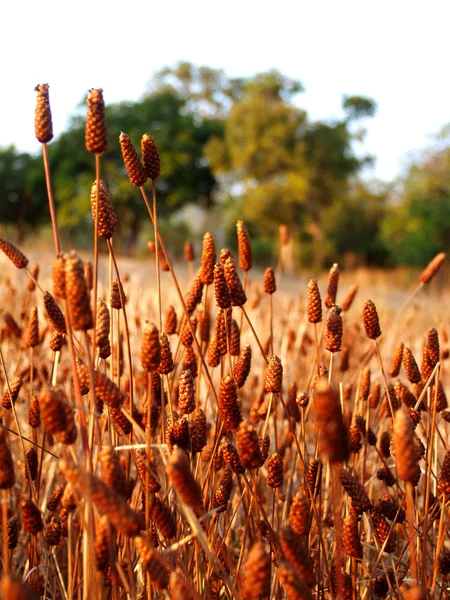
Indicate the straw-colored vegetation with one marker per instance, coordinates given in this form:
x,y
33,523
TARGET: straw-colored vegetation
x,y
215,438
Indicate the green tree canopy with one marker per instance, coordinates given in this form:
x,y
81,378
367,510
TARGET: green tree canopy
x,y
418,224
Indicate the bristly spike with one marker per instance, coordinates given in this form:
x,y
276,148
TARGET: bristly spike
x,y
43,126
96,133
133,165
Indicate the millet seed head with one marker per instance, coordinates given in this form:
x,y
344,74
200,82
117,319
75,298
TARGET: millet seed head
x,y
314,302
370,320
14,254
244,247
333,330
96,132
269,282
150,157
43,125
133,165
432,268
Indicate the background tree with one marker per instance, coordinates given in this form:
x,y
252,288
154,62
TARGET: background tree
x,y
22,191
418,223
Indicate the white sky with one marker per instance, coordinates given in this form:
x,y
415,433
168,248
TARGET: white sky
x,y
394,51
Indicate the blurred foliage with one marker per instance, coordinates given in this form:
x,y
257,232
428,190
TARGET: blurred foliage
x,y
418,226
244,147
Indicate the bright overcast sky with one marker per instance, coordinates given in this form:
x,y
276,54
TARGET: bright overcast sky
x,y
394,51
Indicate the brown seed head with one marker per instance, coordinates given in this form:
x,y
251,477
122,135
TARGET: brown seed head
x,y
187,337
133,165
162,516
222,494
102,544
170,321
269,283
348,300
166,364
15,387
107,219
248,446
194,295
403,442
370,320
333,280
411,368
43,126
242,366
432,268
53,532
235,338
150,348
33,328
213,354
13,533
330,422
56,341
153,563
314,477
186,395
208,259
333,330
314,302
55,498
34,415
190,361
293,586
300,515
31,517
274,375
444,477
96,133
221,290
54,314
222,324
354,439
432,347
183,480
14,254
396,362
115,299
189,255
351,538
114,506
102,328
105,389
364,386
275,474
354,488
296,552
382,529
244,247
89,275
57,415
257,574
231,456
150,157
228,404
112,472
31,471
77,294
284,234
59,276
